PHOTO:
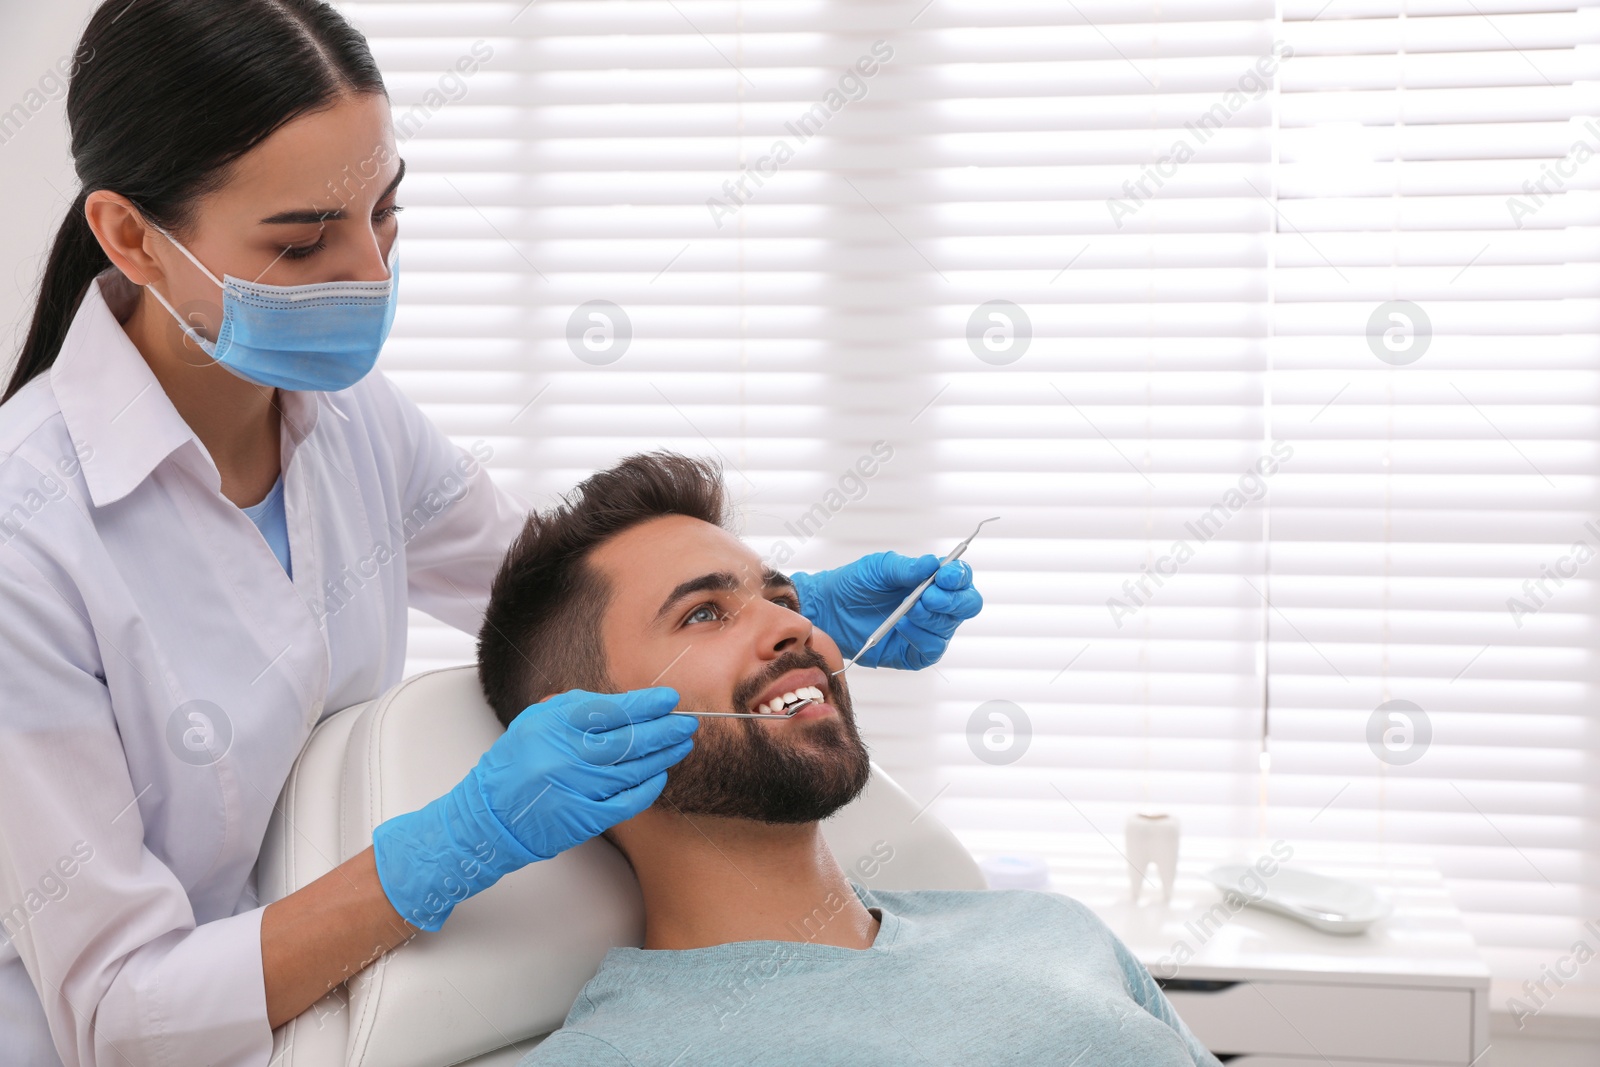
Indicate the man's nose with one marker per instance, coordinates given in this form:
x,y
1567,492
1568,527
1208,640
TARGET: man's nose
x,y
784,629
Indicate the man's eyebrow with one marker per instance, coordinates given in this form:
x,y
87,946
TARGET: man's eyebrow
x,y
719,581
315,215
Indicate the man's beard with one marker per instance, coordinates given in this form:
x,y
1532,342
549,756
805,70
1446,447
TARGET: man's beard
x,y
755,771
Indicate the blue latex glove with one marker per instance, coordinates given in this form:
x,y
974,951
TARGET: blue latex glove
x,y
850,602
563,771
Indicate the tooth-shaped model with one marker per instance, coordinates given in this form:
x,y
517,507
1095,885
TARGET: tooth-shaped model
x,y
1152,838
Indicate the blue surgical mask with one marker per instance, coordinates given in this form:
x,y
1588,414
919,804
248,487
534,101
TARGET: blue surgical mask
x,y
321,337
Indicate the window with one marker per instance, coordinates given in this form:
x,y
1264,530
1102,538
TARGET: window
x,y
1269,333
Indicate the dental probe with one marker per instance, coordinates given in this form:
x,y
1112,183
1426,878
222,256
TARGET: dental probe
x,y
905,605
876,636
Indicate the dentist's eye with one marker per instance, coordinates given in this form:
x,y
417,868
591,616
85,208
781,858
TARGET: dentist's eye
x,y
303,251
385,214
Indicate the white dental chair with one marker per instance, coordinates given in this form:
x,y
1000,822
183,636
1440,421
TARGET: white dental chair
x,y
510,961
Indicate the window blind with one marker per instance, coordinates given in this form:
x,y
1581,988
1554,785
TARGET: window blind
x,y
1433,185
1127,276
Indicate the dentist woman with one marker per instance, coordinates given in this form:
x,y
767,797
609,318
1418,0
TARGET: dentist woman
x,y
213,518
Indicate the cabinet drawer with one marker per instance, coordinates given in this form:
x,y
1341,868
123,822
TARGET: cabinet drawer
x,y
1326,1020
1292,1061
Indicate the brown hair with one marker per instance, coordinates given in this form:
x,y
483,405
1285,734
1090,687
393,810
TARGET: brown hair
x,y
541,632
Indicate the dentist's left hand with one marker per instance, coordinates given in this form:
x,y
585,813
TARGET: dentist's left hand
x,y
564,771
849,602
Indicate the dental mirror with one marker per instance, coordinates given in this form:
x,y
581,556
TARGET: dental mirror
x,y
806,703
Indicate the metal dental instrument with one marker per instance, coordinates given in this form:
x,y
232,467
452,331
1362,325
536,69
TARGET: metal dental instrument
x,y
784,714
876,636
905,605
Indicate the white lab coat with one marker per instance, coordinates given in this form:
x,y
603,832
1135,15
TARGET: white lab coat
x,y
134,597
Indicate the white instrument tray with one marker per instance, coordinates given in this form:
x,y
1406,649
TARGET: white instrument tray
x,y
1333,905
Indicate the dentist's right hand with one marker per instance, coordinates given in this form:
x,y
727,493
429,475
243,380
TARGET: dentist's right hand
x,y
565,770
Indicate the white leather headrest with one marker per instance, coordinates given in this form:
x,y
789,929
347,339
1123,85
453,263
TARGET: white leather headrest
x,y
516,955
510,961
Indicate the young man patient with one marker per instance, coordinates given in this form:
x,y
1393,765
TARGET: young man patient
x,y
758,948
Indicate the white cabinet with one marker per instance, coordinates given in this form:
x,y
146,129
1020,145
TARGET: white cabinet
x,y
1307,1061
1313,1021
1262,990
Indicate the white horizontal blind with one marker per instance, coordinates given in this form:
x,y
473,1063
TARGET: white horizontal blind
x,y
1428,186
802,254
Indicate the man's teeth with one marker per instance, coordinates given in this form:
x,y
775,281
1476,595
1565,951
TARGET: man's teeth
x,y
778,704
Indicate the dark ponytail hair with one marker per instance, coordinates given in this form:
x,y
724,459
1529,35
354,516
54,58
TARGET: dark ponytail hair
x,y
164,95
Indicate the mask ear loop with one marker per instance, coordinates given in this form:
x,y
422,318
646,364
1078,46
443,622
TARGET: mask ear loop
x,y
189,256
208,347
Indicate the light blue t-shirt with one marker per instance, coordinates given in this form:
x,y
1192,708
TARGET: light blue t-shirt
x,y
981,977
273,522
